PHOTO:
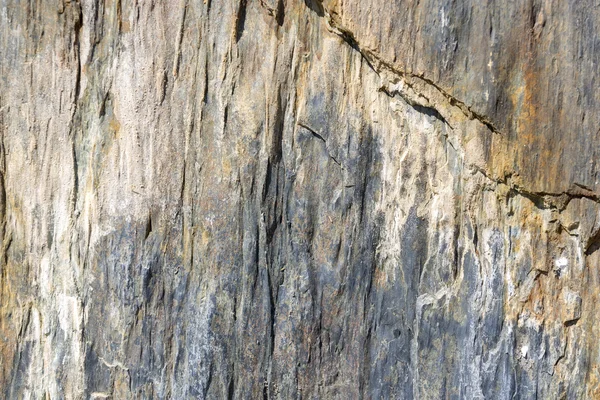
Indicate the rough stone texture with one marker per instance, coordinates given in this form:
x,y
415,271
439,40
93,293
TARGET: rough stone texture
x,y
299,199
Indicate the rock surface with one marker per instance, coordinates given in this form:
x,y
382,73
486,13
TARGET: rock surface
x,y
299,199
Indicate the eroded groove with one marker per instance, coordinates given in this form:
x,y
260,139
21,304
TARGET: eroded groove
x,y
180,33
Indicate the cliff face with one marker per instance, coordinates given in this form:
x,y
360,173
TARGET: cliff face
x,y
299,199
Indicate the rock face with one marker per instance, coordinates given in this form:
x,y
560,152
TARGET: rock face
x,y
299,199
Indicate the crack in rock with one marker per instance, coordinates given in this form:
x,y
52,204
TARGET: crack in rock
x,y
447,108
321,138
383,67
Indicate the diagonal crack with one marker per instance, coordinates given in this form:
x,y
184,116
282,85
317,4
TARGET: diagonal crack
x,y
321,138
545,200
431,111
407,84
381,66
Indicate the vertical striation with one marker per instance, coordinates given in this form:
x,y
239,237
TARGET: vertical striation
x,y
299,199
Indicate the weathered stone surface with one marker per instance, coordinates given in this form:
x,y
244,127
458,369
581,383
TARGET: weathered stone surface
x,y
299,199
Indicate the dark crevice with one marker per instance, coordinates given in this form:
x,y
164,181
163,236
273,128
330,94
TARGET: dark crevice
x,y
75,176
542,199
321,138
316,6
3,207
313,132
593,243
569,231
280,15
148,229
277,137
105,99
378,64
429,111
571,323
231,387
240,20
349,38
77,27
265,189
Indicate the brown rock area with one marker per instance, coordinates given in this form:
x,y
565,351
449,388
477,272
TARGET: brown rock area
x,y
282,199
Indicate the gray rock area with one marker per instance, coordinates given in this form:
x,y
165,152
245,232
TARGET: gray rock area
x,y
299,199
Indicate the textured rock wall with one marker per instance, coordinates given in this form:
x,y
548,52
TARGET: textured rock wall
x,y
299,199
